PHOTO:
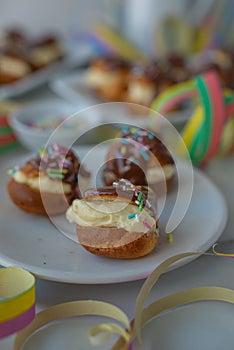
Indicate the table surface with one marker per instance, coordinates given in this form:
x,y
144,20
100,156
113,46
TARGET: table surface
x,y
202,271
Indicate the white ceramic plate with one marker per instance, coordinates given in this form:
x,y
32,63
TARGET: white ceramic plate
x,y
35,244
74,88
42,76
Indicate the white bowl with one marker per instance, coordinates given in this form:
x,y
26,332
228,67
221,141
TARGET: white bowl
x,y
60,122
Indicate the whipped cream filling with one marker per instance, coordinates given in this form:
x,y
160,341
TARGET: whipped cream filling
x,y
101,79
114,213
140,92
45,54
157,174
42,183
13,66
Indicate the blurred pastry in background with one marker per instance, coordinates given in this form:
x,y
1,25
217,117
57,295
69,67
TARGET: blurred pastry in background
x,y
176,68
21,55
146,81
44,52
14,40
107,76
13,67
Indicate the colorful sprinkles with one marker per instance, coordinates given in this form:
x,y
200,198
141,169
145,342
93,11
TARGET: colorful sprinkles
x,y
12,171
140,200
141,205
58,160
132,216
147,225
139,196
136,136
56,172
169,238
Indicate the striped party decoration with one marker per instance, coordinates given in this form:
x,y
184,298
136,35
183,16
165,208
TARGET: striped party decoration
x,y
17,300
209,131
8,139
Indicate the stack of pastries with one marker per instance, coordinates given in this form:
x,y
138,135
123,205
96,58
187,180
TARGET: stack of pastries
x,y
118,220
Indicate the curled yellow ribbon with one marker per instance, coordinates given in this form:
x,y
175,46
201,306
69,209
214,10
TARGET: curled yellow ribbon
x,y
128,331
80,308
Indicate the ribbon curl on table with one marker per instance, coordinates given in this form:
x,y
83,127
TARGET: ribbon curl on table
x,y
98,334
17,300
206,131
128,331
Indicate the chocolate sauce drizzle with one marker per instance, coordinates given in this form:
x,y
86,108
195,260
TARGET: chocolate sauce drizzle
x,y
129,157
58,163
140,196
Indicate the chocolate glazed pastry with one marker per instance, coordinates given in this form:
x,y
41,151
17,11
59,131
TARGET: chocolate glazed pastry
x,y
13,67
108,77
118,221
48,183
140,157
44,52
145,82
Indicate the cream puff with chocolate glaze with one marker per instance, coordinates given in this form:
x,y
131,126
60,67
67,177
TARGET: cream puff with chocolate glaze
x,y
12,68
140,157
44,52
47,183
145,82
14,40
107,76
119,221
